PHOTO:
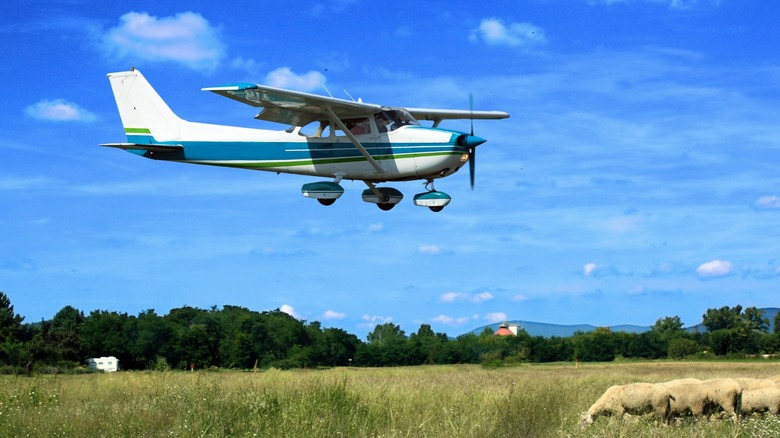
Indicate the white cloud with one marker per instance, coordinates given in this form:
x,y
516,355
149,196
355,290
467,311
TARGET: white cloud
x,y
248,65
589,269
714,268
494,31
186,38
376,227
372,321
283,77
12,183
673,4
451,297
429,249
496,317
448,320
520,297
288,309
332,314
481,297
59,110
768,202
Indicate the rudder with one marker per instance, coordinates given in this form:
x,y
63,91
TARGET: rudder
x,y
146,118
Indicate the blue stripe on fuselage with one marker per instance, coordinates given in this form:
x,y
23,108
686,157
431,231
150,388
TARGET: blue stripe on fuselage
x,y
295,151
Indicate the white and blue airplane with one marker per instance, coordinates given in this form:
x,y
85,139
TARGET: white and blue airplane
x,y
331,138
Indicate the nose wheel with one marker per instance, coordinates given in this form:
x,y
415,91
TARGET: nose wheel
x,y
433,199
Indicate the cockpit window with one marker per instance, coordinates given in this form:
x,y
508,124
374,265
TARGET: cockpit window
x,y
392,119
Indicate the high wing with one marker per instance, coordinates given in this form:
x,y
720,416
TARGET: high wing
x,y
437,115
298,108
292,107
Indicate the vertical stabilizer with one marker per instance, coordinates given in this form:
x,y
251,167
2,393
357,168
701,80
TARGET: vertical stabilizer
x,y
145,116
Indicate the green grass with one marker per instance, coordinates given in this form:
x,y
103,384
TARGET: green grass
x,y
428,401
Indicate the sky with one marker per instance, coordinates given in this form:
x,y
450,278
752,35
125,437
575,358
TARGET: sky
x,y
637,177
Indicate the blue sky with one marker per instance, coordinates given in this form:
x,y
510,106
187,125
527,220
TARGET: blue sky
x,y
637,177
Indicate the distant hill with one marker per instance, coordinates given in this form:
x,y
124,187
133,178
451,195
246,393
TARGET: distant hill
x,y
549,330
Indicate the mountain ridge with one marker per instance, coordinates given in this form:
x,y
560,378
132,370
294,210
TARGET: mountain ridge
x,y
547,330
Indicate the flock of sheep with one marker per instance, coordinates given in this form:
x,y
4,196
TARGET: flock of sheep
x,y
689,397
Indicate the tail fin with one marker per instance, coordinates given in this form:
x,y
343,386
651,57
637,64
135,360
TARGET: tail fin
x,y
147,119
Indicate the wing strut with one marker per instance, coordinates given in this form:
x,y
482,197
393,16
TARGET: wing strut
x,y
355,141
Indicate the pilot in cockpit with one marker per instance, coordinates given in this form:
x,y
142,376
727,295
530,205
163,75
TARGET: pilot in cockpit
x,y
382,121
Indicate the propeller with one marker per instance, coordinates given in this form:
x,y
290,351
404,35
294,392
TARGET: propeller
x,y
471,141
472,149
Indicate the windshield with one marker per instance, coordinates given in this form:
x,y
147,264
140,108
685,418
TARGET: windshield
x,y
392,119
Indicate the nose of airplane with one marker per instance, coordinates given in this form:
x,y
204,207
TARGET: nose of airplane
x,y
470,140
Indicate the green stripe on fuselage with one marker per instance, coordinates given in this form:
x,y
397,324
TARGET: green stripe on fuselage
x,y
296,163
137,131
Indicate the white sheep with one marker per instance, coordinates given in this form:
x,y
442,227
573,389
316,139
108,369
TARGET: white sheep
x,y
688,397
634,399
775,378
725,394
749,383
761,399
680,381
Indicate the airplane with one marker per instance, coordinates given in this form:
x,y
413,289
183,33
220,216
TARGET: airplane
x,y
331,138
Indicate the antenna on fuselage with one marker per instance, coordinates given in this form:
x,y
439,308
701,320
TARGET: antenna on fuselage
x,y
326,90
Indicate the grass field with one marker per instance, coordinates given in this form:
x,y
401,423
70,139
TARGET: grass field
x,y
426,401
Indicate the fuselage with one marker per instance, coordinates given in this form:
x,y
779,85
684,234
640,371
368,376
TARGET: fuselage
x,y
409,152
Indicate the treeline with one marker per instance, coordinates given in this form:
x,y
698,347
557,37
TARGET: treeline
x,y
239,338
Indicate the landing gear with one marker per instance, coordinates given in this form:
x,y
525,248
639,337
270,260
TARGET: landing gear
x,y
384,197
434,200
325,192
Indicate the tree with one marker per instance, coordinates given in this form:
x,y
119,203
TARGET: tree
x,y
64,334
105,333
668,326
151,340
755,321
427,347
777,324
12,349
387,345
682,347
723,318
596,346
342,347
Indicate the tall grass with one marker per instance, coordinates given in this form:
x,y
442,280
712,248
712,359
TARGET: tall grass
x,y
430,401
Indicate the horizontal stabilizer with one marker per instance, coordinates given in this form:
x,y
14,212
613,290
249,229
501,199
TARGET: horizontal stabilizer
x,y
145,147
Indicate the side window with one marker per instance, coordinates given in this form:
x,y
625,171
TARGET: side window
x,y
384,121
317,129
357,126
390,120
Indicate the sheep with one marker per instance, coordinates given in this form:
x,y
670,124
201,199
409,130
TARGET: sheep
x,y
725,394
775,378
680,381
759,400
687,396
697,398
634,398
748,383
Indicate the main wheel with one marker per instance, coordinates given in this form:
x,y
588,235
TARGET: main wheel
x,y
385,206
326,201
437,209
